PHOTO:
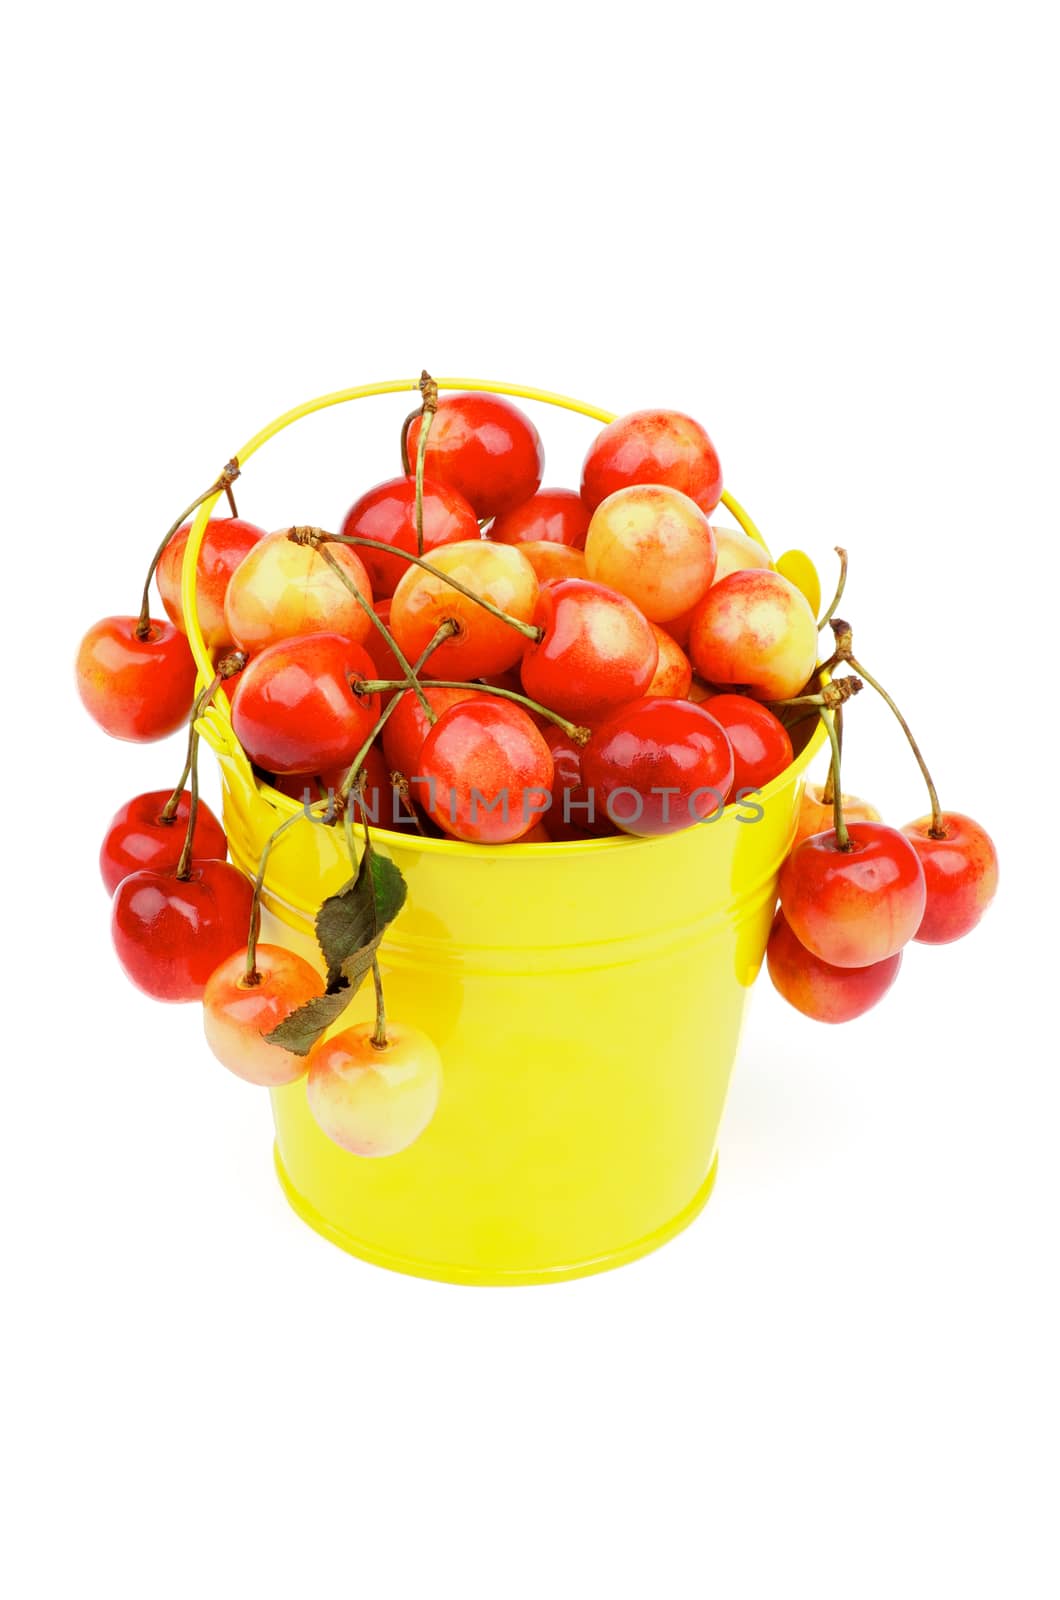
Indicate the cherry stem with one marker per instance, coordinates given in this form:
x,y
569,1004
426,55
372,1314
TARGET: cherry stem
x,y
831,696
350,779
429,391
224,481
202,700
406,464
828,792
251,976
573,730
842,836
527,629
231,500
379,1038
840,586
936,830
399,782
227,667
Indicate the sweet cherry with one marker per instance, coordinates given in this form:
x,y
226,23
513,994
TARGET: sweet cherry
x,y
486,771
408,725
136,689
282,589
663,447
552,516
555,561
819,990
654,545
374,1100
139,836
673,674
761,746
858,906
573,813
816,813
170,933
297,708
388,513
485,448
755,630
737,552
961,872
224,544
657,766
499,573
597,652
238,1011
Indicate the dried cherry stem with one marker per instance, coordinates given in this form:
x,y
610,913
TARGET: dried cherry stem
x,y
828,792
224,481
841,834
399,782
251,976
527,629
359,759
573,730
840,586
429,391
227,667
830,697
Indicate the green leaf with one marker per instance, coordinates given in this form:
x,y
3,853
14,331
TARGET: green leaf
x,y
358,914
300,1031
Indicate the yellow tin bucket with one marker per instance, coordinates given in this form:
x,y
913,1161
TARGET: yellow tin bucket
x,y
586,999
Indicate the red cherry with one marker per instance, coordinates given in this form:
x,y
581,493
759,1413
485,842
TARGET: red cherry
x,y
388,513
486,771
598,650
858,906
296,708
673,674
484,643
658,765
408,726
821,991
236,1014
662,447
224,544
137,689
171,933
573,813
140,837
485,448
552,516
961,873
761,747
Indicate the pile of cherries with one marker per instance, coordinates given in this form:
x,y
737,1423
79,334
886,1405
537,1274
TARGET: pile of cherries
x,y
475,657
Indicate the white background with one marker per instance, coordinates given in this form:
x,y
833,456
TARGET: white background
x,y
828,232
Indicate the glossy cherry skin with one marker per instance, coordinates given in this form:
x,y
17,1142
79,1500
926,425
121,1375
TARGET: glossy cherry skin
x,y
755,630
816,817
552,516
598,650
854,908
961,873
737,552
372,1101
283,590
388,513
407,727
138,837
574,813
485,448
761,747
296,708
657,766
819,990
551,561
236,1015
655,545
485,644
663,447
224,544
486,772
673,674
136,689
171,933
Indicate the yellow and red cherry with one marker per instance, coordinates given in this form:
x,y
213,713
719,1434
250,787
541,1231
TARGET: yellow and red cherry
x,y
551,561
408,725
225,542
816,813
597,650
298,707
239,1010
484,643
552,516
655,545
140,836
961,872
485,448
136,688
856,906
485,772
658,766
170,933
673,673
737,552
819,990
282,590
761,746
374,1100
755,630
387,513
661,447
